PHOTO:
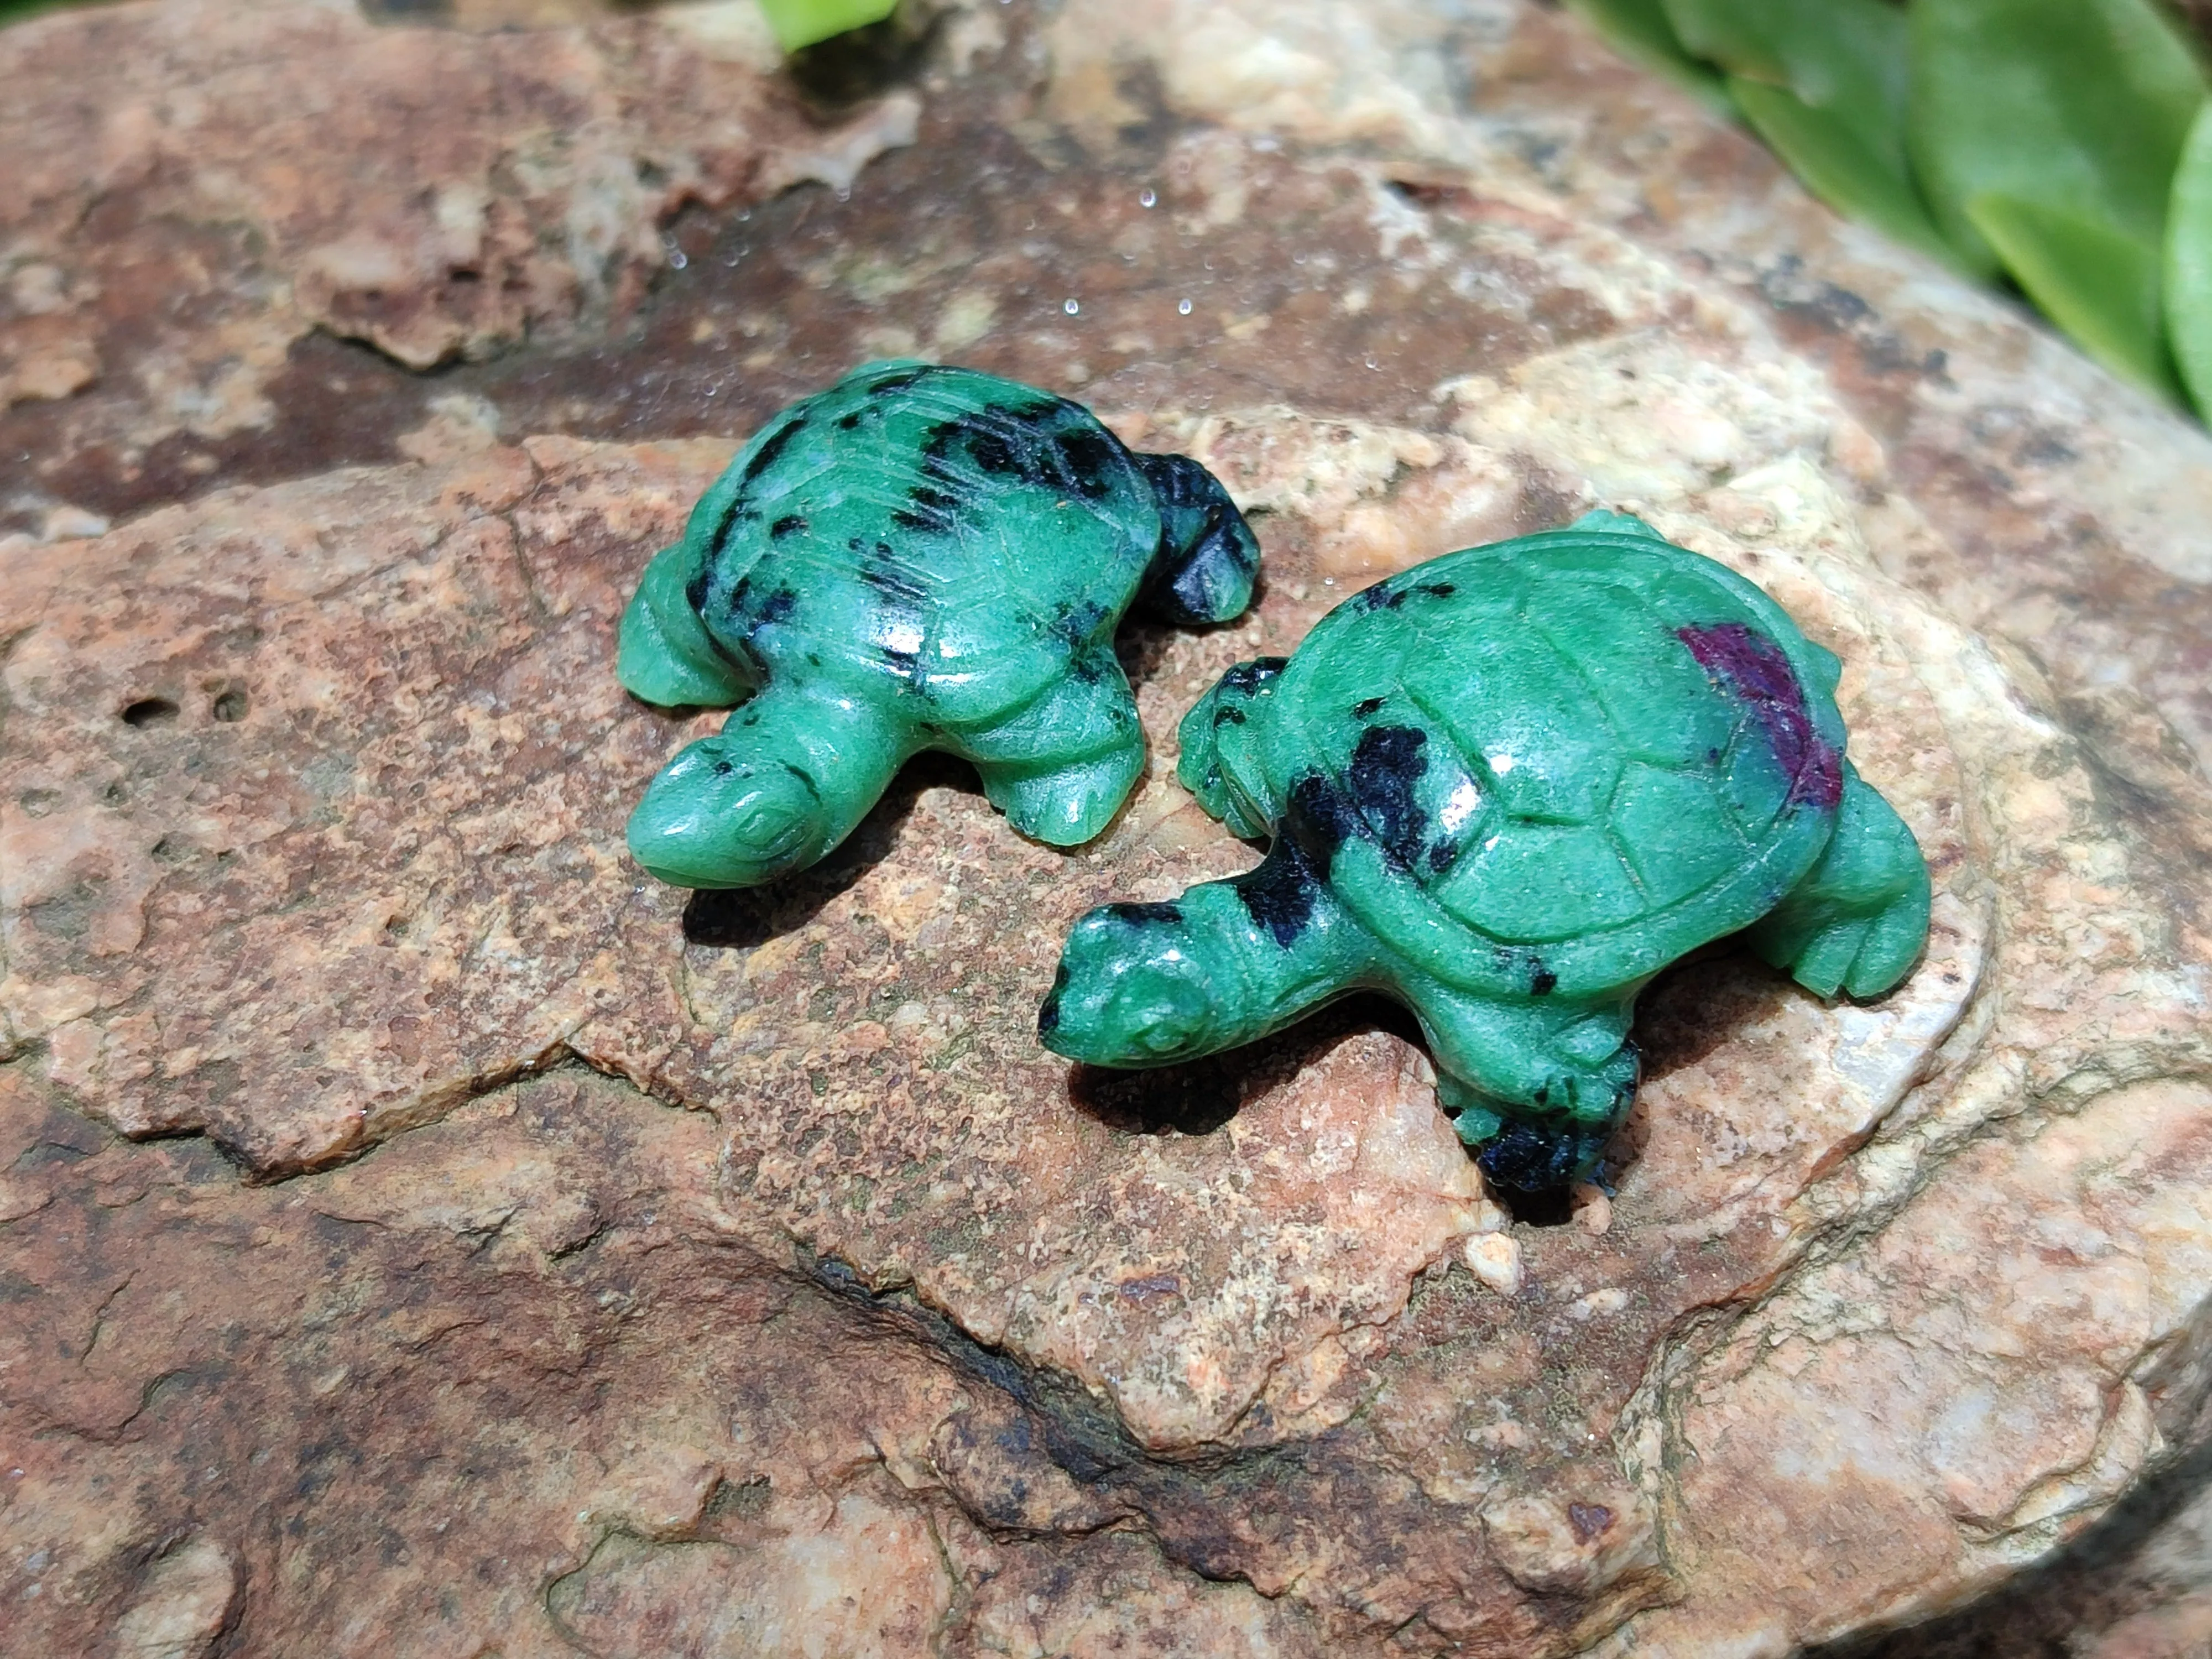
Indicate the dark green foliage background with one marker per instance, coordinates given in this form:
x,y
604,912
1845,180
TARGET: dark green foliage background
x,y
2060,143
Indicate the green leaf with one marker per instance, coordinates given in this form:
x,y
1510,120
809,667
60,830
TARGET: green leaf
x,y
1838,165
802,22
2189,263
1638,31
1844,56
2097,281
2081,105
1824,82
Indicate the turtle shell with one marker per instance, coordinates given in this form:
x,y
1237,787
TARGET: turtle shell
x,y
1560,761
937,531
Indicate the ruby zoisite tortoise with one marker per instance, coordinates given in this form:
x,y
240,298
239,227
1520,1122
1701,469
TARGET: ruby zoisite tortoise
x,y
1508,787
919,557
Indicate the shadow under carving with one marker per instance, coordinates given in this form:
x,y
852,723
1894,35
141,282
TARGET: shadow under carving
x,y
745,918
1197,1097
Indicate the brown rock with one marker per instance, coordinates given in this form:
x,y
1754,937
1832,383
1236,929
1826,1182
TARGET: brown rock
x,y
311,798
1572,1546
188,1598
193,187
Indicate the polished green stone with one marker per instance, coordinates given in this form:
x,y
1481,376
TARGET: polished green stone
x,y
917,558
1507,787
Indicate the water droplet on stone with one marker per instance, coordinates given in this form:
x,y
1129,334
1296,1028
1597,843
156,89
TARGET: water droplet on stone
x,y
1183,307
678,258
1147,197
1070,306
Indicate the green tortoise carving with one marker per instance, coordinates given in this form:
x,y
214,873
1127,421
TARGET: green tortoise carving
x,y
917,558
1507,787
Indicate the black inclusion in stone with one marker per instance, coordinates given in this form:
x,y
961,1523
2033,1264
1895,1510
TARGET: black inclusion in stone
x,y
1384,768
1089,454
1180,482
1319,819
848,422
893,583
1075,625
928,508
1074,628
900,379
1048,1012
1146,915
992,453
1247,677
739,512
1437,590
1365,706
777,608
1282,894
1380,597
789,524
1530,1158
1541,980
778,441
1227,714
992,449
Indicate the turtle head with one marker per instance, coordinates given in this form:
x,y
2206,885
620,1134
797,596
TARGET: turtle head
x,y
1134,989
720,817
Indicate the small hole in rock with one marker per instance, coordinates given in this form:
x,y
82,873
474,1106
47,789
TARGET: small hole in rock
x,y
230,706
149,711
1554,1208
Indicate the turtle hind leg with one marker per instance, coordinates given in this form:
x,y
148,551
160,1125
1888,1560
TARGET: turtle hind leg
x,y
1208,557
664,655
1856,922
1535,1088
1061,769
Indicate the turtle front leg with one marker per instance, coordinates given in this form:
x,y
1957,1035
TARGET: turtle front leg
x,y
1858,920
1220,763
789,776
664,655
1537,1088
1208,557
1143,985
1061,767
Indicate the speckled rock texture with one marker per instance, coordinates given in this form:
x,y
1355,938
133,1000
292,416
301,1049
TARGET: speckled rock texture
x,y
424,1233
192,188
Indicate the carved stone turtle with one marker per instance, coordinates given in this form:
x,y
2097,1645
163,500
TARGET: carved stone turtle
x,y
1508,787
917,558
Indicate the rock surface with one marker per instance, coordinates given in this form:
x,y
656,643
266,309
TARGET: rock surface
x,y
429,1317
196,187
